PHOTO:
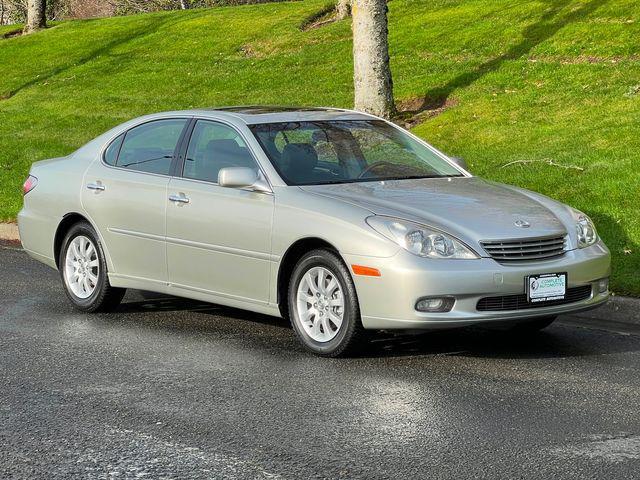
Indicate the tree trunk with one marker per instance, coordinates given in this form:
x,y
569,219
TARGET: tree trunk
x,y
184,4
343,9
371,71
36,15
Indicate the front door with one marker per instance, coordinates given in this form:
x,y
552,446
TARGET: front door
x,y
218,239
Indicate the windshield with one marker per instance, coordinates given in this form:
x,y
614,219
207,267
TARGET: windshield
x,y
345,151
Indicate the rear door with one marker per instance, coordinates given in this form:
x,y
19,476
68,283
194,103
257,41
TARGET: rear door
x,y
125,194
218,239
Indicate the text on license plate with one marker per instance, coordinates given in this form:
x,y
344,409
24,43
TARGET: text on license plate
x,y
546,287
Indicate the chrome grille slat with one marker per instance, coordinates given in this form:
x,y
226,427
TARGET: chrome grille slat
x,y
536,256
518,244
525,249
524,244
522,249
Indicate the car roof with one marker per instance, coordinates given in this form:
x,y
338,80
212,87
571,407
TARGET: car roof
x,y
253,114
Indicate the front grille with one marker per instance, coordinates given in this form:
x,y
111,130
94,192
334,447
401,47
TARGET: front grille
x,y
526,249
519,302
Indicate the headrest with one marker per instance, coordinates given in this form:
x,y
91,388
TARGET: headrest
x,y
300,157
222,145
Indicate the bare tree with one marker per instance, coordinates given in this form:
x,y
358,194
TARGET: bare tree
x,y
371,71
88,8
343,9
36,15
127,7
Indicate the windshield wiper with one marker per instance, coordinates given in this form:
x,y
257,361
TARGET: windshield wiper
x,y
407,177
382,179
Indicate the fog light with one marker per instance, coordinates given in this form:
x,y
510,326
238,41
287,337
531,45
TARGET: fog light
x,y
435,304
603,285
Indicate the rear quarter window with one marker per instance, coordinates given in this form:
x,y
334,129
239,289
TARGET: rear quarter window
x,y
111,153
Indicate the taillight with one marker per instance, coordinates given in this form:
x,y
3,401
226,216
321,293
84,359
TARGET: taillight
x,y
29,184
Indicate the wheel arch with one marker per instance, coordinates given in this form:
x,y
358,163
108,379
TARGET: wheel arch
x,y
294,253
69,220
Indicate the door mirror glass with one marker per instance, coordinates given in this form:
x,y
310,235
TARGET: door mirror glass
x,y
460,162
237,177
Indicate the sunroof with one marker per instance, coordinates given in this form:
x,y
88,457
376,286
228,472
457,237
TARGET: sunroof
x,y
258,109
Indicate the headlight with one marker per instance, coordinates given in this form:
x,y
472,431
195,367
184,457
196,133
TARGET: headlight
x,y
586,231
419,239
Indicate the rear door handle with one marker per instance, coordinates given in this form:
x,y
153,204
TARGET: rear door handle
x,y
97,186
179,198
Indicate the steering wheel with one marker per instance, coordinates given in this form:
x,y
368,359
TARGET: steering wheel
x,y
373,166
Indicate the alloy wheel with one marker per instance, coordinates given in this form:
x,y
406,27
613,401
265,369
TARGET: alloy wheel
x,y
320,304
82,268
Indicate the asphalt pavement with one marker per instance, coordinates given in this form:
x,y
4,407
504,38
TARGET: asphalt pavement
x,y
170,388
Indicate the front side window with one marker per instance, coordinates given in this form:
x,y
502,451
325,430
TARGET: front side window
x,y
212,147
346,151
150,147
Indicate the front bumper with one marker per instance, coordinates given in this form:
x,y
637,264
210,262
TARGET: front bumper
x,y
388,301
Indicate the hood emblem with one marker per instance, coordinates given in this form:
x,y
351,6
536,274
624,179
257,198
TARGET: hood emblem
x,y
522,224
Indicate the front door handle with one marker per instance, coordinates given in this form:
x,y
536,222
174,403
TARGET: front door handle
x,y
97,186
179,198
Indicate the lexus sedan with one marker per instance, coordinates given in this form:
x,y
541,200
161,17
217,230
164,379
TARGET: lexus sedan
x,y
340,221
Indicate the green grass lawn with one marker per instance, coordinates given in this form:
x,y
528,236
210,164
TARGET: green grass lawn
x,y
553,85
5,29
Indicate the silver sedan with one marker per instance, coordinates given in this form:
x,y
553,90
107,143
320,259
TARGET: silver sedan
x,y
340,221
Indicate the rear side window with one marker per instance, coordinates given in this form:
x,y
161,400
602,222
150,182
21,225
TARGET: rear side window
x,y
149,147
111,153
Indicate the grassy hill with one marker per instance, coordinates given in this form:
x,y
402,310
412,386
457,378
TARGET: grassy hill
x,y
543,94
5,29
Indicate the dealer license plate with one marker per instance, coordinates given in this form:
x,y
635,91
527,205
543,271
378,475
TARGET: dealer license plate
x,y
546,287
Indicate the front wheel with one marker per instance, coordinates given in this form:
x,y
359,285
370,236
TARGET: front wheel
x,y
84,271
323,306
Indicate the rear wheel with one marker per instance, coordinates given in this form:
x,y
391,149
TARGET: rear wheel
x,y
323,306
84,271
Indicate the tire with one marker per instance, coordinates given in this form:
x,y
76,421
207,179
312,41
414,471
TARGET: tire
x,y
533,325
75,265
318,331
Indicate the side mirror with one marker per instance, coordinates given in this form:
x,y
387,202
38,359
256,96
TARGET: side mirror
x,y
460,162
242,177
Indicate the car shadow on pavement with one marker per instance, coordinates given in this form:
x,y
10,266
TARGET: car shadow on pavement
x,y
138,301
557,341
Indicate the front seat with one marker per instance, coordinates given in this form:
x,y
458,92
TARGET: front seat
x,y
222,153
298,161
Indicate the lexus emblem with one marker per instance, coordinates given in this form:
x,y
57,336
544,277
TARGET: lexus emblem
x,y
522,224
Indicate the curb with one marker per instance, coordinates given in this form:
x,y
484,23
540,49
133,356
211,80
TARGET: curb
x,y
618,310
9,236
9,231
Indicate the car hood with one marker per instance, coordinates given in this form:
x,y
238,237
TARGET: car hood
x,y
470,208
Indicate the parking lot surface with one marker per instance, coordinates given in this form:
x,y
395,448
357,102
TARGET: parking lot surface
x,y
170,388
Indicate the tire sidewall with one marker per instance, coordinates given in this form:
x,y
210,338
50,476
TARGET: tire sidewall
x,y
84,229
351,311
